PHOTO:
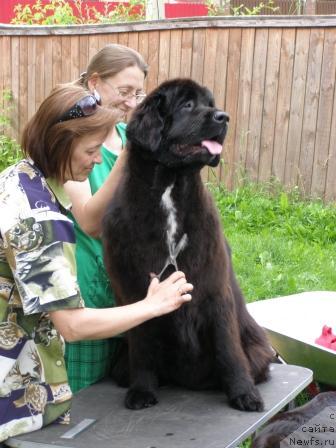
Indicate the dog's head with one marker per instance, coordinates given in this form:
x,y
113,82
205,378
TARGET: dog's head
x,y
178,125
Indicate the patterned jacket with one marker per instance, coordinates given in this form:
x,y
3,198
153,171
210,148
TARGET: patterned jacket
x,y
37,275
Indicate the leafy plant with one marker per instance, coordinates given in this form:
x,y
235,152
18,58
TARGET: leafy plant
x,y
10,151
61,12
132,11
53,13
222,9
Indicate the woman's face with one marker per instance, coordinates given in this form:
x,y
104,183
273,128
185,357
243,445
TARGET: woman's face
x,y
86,153
119,91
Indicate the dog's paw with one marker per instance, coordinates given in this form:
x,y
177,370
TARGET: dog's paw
x,y
139,399
249,401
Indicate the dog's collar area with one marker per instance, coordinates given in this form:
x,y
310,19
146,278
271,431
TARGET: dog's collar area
x,y
174,250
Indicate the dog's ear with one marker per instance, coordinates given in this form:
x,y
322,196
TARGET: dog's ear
x,y
146,124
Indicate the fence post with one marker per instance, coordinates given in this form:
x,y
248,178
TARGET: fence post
x,y
309,8
155,10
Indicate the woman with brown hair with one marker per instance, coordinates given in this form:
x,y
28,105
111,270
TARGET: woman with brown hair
x,y
116,75
40,300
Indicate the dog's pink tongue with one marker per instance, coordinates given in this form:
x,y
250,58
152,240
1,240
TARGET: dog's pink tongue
x,y
212,147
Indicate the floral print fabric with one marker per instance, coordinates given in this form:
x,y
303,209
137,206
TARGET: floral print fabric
x,y
37,275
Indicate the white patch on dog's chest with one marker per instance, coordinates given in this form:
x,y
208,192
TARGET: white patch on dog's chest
x,y
173,247
168,205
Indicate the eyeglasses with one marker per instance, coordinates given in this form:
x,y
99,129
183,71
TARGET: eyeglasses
x,y
126,94
83,108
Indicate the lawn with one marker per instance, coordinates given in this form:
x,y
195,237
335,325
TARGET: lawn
x,y
281,243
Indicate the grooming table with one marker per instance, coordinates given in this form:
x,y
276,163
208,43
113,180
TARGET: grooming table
x,y
182,418
293,323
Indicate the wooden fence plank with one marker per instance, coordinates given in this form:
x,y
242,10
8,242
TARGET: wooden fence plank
x,y
310,110
297,107
74,58
198,55
143,50
283,104
323,128
133,40
164,53
66,59
175,53
39,72
244,96
219,91
330,189
15,82
153,59
123,39
231,103
23,76
270,104
83,53
31,68
93,46
221,67
257,102
111,39
209,68
186,53
48,65
6,62
57,59
209,65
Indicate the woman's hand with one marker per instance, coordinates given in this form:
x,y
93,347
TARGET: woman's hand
x,y
168,295
91,323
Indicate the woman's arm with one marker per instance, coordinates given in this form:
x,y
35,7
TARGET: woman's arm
x,y
89,209
89,323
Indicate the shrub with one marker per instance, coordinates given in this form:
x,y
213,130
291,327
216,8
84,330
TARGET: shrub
x,y
10,151
61,12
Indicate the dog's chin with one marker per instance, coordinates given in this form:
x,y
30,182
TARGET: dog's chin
x,y
191,156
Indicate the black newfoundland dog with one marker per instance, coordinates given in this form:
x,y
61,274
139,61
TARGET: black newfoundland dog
x,y
163,218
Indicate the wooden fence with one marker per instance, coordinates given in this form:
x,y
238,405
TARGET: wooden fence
x,y
275,76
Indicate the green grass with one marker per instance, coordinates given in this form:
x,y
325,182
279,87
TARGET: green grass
x,y
281,244
10,152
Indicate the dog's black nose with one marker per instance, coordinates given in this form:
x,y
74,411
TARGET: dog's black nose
x,y
220,116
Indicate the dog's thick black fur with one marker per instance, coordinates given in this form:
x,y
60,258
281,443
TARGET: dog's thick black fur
x,y
211,342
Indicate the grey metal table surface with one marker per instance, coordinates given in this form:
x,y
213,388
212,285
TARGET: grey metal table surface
x,y
182,418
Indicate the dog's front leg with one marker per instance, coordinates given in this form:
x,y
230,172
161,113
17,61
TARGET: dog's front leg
x,y
143,377
233,366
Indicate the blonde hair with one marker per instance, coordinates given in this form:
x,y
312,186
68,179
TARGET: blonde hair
x,y
110,60
49,142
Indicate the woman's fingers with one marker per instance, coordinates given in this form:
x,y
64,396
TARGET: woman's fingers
x,y
170,294
153,285
184,288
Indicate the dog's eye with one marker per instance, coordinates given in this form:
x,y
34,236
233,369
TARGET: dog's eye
x,y
188,106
